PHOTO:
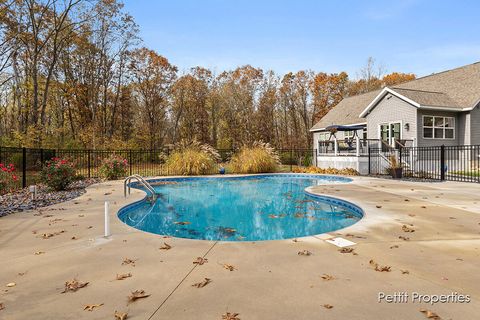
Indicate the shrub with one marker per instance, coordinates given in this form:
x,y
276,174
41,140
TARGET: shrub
x,y
7,177
58,173
193,158
258,158
346,172
113,167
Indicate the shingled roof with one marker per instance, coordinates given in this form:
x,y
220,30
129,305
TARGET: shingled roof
x,y
457,89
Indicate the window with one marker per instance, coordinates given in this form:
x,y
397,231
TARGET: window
x,y
349,134
323,136
438,127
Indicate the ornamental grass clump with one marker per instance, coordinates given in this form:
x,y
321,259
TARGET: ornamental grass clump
x,y
192,158
7,178
58,173
258,158
113,167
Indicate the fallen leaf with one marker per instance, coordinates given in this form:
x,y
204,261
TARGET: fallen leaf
x,y
406,228
107,193
123,276
74,285
229,267
165,246
2,306
39,253
327,306
423,207
404,238
21,274
81,215
74,238
137,294
90,307
327,277
380,268
346,250
11,284
182,223
202,284
405,271
412,214
129,261
394,247
378,207
199,261
430,314
304,253
230,316
120,315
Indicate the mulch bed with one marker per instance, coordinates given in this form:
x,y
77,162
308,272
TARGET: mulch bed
x,y
21,200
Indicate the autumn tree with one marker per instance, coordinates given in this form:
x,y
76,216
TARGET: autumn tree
x,y
153,78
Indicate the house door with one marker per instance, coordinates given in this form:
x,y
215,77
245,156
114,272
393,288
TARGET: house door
x,y
389,133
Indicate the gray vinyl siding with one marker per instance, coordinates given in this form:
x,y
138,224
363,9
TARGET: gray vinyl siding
x,y
392,109
463,128
475,126
459,120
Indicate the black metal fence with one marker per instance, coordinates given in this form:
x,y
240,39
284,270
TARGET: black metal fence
x,y
28,162
452,163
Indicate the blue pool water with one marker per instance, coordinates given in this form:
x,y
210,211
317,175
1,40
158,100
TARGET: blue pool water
x,y
262,207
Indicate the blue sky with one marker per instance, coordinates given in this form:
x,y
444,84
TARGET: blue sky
x,y
416,36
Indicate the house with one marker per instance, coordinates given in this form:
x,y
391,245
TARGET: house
x,y
439,109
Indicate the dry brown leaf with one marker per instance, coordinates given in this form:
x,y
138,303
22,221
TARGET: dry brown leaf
x,y
165,246
39,253
230,316
199,261
74,238
123,276
327,277
378,207
21,274
81,215
304,253
120,315
412,214
11,284
90,307
430,314
137,294
346,250
405,271
2,306
380,268
74,285
129,261
327,306
404,238
182,223
394,247
229,267
406,228
202,284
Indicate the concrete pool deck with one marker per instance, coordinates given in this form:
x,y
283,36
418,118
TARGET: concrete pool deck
x,y
270,280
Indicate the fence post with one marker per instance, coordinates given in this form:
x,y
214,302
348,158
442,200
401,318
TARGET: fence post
x,y
400,155
442,162
88,162
24,167
130,160
369,161
291,160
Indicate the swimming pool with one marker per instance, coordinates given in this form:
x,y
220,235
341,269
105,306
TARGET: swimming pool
x,y
243,208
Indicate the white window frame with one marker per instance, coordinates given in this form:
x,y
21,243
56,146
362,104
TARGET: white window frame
x,y
433,127
349,134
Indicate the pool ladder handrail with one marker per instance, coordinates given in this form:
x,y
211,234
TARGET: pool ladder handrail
x,y
141,180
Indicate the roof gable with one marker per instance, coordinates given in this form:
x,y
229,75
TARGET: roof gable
x,y
457,89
